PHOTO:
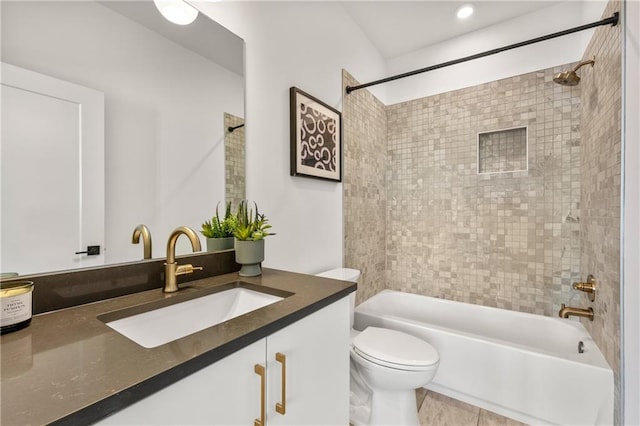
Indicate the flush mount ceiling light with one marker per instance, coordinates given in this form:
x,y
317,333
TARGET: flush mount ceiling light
x,y
464,11
177,11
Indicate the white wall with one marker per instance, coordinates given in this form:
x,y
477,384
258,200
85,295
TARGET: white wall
x,y
164,109
631,213
304,45
518,61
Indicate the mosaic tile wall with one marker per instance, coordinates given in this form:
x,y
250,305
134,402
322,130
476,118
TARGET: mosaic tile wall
x,y
601,174
509,240
502,151
364,198
234,160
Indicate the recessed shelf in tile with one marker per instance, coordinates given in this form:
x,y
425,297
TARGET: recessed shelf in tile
x,y
502,151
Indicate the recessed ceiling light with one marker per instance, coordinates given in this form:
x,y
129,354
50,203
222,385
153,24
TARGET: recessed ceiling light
x,y
464,11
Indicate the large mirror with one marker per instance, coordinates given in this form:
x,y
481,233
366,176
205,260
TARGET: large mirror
x,y
70,181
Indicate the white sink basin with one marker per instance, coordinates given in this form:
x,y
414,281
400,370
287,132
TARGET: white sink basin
x,y
163,325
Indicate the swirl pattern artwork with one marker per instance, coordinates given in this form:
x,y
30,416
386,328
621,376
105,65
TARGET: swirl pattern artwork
x,y
316,138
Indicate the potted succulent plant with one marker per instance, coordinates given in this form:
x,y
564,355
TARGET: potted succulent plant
x,y
250,232
219,232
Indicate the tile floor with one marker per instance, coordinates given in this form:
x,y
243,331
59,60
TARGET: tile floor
x,y
435,409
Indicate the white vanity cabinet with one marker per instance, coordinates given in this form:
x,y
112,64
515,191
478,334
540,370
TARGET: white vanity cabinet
x,y
316,350
313,365
226,393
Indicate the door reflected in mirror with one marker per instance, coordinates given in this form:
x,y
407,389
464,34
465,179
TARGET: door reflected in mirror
x,y
165,88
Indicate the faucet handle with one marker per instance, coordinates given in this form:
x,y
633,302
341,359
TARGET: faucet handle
x,y
588,287
187,269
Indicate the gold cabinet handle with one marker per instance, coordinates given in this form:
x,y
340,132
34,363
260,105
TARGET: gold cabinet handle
x,y
260,371
281,407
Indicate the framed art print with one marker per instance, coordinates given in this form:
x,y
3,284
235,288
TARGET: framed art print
x,y
316,138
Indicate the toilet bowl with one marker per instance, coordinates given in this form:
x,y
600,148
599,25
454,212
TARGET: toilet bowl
x,y
386,368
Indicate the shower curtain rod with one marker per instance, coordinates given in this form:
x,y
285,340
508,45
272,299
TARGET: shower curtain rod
x,y
613,20
232,128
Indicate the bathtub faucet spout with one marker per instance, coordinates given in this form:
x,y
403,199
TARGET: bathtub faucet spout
x,y
567,311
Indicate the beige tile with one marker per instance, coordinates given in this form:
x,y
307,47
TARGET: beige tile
x,y
234,154
440,410
487,418
448,227
421,394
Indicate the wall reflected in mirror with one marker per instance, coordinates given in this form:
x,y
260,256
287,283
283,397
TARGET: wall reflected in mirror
x,y
234,159
165,88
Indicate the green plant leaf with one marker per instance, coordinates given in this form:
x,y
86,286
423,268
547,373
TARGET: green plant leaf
x,y
250,226
217,228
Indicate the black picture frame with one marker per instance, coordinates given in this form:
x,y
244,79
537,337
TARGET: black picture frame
x,y
316,137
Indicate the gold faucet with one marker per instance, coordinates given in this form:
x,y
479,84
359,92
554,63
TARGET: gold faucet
x,y
567,311
142,230
171,267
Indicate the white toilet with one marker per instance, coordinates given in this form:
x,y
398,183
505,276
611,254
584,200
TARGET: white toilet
x,y
386,368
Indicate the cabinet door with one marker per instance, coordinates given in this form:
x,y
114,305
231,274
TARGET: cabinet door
x,y
224,393
316,350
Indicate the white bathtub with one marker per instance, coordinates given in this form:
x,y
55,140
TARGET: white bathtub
x,y
520,365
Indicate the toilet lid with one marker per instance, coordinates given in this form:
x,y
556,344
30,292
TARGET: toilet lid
x,y
395,349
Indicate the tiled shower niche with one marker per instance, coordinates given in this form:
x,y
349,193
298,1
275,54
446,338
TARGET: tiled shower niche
x,y
502,151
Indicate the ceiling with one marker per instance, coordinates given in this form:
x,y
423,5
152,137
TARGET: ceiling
x,y
395,27
412,25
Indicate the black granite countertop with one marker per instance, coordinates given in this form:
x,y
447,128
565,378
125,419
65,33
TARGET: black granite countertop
x,y
69,367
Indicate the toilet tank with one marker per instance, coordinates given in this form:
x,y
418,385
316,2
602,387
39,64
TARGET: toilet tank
x,y
344,274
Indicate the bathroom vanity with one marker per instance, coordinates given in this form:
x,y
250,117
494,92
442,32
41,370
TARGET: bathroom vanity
x,y
285,363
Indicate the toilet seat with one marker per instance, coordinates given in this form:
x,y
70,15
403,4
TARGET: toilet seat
x,y
395,349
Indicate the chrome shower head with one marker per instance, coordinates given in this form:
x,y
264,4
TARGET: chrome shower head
x,y
570,78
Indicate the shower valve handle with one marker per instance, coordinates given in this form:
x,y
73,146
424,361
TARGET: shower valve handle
x,y
588,287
